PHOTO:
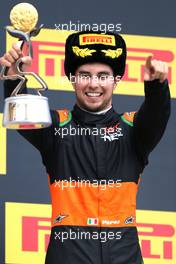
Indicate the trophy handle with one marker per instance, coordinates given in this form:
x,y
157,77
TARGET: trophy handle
x,y
4,76
36,76
25,37
20,75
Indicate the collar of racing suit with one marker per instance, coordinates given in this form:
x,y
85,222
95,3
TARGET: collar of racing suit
x,y
89,118
99,112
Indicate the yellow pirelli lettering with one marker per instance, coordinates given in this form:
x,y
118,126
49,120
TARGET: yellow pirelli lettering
x,y
88,39
2,147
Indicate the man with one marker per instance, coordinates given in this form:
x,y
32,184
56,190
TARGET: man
x,y
94,172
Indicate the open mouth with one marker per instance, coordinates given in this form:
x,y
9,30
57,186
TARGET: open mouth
x,y
93,94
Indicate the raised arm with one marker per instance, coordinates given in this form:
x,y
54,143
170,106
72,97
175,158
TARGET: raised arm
x,y
37,137
151,119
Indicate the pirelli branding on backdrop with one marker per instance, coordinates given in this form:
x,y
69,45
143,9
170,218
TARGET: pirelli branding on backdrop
x,y
28,230
48,61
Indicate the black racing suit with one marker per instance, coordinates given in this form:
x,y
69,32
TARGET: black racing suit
x,y
94,175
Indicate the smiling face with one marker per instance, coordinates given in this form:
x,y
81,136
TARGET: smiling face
x,y
94,84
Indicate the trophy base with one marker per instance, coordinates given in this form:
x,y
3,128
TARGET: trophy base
x,y
26,112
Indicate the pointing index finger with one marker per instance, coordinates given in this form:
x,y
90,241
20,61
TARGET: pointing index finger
x,y
149,65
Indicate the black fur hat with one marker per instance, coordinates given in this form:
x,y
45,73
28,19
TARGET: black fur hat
x,y
90,46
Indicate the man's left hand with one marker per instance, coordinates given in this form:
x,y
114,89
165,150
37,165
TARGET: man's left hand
x,y
155,69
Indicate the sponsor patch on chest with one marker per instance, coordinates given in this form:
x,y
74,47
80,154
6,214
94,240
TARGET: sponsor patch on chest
x,y
112,133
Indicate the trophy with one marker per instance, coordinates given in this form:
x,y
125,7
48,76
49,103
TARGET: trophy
x,y
25,111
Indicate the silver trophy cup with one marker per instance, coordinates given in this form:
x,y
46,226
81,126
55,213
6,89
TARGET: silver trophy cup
x,y
25,111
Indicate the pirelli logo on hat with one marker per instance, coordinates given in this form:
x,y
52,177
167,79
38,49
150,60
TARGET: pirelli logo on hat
x,y
88,39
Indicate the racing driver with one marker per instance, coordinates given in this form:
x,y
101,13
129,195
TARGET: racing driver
x,y
100,164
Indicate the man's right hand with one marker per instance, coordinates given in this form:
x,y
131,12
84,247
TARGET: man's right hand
x,y
9,59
